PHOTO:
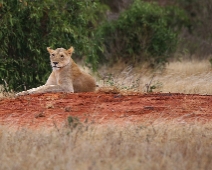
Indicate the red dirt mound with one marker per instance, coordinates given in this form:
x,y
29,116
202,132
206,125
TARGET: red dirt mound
x,y
52,109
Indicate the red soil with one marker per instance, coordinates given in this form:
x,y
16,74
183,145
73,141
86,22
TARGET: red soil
x,y
49,110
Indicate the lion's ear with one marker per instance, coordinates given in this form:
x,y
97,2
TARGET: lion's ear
x,y
49,50
70,50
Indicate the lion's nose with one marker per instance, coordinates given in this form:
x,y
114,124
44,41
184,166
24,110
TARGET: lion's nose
x,y
55,63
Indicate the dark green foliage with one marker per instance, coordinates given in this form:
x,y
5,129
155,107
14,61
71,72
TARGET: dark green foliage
x,y
73,122
144,32
196,39
29,26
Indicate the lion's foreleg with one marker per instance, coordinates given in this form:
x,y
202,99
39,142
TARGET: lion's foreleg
x,y
42,89
46,89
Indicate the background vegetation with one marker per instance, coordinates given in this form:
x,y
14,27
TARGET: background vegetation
x,y
144,32
101,31
196,39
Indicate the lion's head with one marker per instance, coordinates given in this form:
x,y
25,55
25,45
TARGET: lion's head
x,y
60,57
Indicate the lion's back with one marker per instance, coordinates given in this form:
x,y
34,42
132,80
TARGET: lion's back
x,y
84,83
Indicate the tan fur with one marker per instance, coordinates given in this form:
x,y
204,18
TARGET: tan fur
x,y
66,75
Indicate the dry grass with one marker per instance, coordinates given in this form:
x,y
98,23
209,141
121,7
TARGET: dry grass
x,y
4,94
167,146
178,77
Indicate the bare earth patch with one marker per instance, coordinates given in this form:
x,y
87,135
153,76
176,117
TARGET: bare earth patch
x,y
50,110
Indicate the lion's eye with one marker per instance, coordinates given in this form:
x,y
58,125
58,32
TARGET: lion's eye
x,y
52,55
62,56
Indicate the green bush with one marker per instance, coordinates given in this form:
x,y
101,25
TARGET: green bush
x,y
29,26
144,32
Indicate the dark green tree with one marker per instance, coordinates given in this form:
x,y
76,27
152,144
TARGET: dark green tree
x,y
144,32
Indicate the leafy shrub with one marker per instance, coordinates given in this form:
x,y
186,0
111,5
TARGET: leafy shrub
x,y
29,26
144,32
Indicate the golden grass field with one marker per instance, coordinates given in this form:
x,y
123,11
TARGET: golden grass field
x,y
161,145
190,77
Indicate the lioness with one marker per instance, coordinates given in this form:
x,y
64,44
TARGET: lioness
x,y
66,75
